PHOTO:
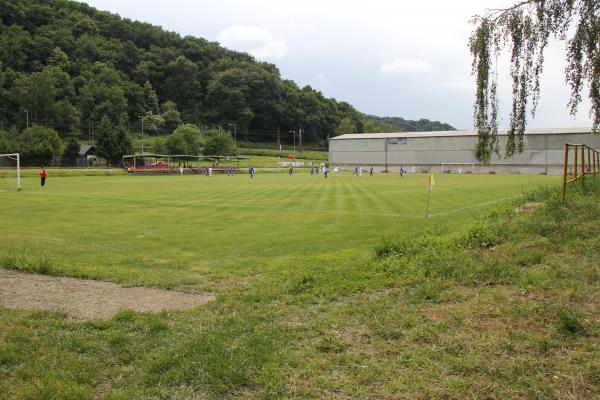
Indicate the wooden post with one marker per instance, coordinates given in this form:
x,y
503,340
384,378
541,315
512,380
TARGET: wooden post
x,y
575,169
582,164
588,168
565,169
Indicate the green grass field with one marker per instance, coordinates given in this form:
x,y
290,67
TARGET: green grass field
x,y
326,289
208,232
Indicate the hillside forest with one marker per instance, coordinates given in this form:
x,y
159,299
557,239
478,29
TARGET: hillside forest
x,y
69,72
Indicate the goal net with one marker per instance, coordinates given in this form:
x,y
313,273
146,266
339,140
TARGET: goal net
x,y
10,172
459,168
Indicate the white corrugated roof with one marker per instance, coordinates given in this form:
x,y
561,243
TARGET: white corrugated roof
x,y
537,131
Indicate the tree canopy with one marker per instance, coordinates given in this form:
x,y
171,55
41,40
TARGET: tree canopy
x,y
525,29
70,66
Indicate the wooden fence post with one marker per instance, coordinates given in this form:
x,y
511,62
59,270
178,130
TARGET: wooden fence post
x,y
582,164
575,166
565,170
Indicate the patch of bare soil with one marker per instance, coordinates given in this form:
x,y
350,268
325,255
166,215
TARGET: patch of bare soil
x,y
85,299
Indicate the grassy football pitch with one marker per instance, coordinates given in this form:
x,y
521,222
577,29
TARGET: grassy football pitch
x,y
208,233
497,308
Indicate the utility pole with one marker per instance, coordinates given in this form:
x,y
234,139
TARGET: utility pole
x,y
278,139
26,118
294,133
234,135
142,117
300,132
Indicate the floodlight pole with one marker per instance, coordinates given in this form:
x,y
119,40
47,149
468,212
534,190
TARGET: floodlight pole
x,y
26,118
294,133
142,117
234,135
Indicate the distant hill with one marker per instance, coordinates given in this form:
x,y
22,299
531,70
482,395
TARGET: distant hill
x,y
69,66
397,124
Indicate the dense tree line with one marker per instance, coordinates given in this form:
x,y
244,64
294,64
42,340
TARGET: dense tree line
x,y
397,124
73,68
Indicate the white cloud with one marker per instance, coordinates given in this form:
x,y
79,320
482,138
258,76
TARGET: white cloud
x,y
255,40
405,66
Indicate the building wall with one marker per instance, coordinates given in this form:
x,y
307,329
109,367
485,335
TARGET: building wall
x,y
542,153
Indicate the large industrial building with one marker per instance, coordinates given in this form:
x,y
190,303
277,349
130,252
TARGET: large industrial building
x,y
543,151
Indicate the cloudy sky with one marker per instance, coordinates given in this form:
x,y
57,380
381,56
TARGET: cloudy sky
x,y
388,58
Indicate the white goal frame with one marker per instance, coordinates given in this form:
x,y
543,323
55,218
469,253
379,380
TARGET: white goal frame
x,y
15,156
466,165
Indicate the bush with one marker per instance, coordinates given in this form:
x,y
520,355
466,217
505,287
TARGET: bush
x,y
478,236
219,143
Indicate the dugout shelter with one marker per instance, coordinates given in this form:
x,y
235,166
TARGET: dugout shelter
x,y
182,163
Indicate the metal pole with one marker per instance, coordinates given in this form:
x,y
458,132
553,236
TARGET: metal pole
x,y
300,137
386,155
294,133
428,197
26,118
546,151
18,173
278,139
566,163
142,134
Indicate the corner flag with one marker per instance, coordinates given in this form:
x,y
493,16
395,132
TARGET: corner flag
x,y
430,185
431,182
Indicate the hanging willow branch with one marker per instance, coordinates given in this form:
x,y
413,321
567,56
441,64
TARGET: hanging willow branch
x,y
525,29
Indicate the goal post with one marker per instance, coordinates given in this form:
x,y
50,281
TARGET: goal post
x,y
459,168
10,171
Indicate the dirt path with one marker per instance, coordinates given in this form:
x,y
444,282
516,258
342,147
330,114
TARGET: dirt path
x,y
84,299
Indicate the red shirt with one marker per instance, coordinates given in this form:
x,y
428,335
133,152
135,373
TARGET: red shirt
x,y
42,173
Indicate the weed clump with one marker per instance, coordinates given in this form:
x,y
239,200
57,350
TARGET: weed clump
x,y
301,284
25,263
478,236
569,323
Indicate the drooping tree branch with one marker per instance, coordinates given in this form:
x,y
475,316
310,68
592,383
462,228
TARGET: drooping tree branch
x,y
525,29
